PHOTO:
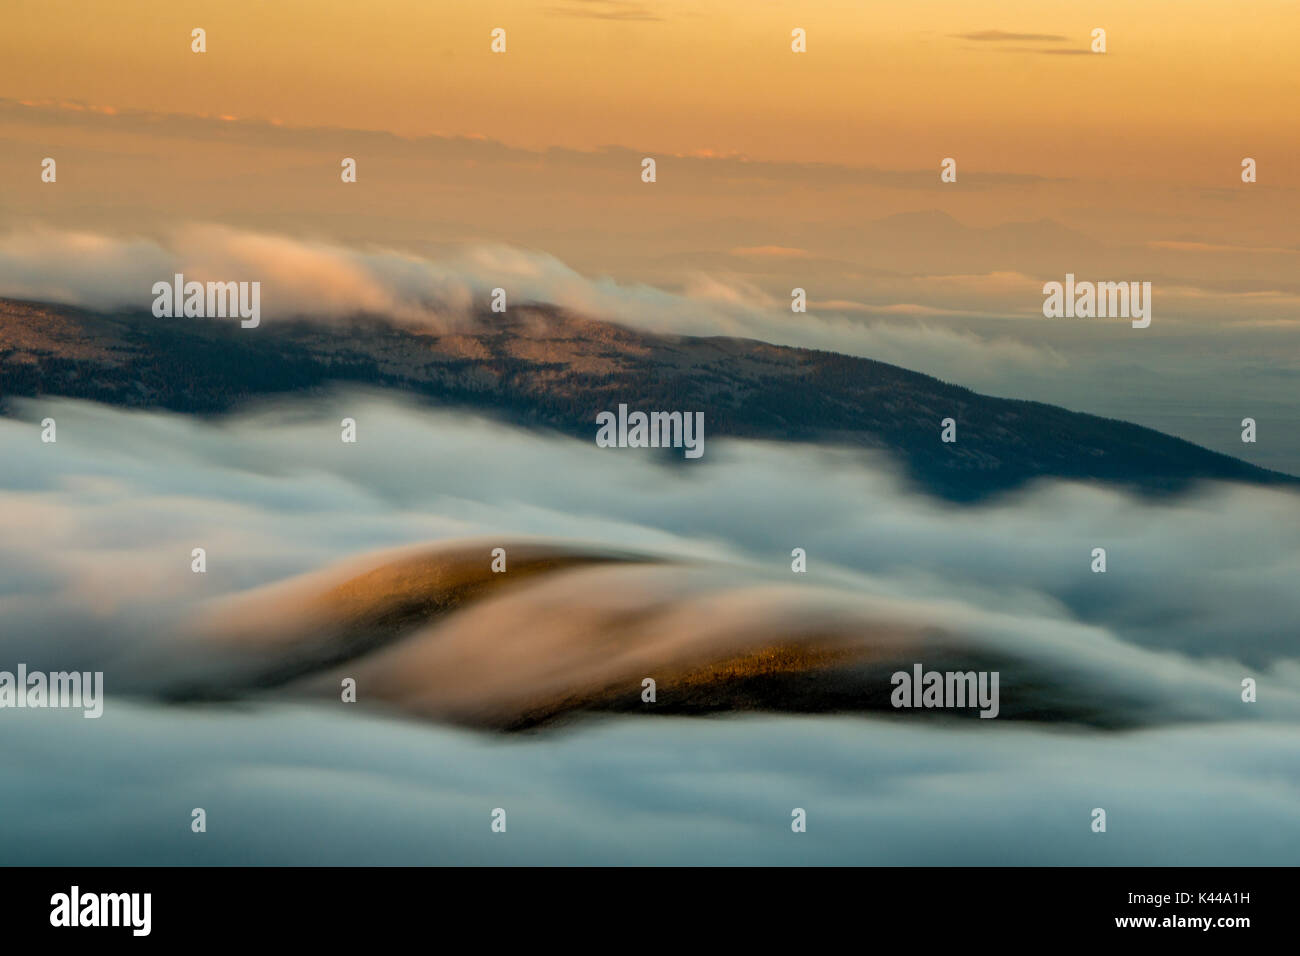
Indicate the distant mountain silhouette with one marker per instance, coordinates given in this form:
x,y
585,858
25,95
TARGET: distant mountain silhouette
x,y
543,367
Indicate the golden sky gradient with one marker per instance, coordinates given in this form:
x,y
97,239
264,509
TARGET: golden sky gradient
x,y
776,169
1185,86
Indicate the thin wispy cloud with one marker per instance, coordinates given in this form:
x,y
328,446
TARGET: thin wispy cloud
x,y
1005,41
771,252
606,10
1001,36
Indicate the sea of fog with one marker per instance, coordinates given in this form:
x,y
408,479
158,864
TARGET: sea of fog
x,y
95,574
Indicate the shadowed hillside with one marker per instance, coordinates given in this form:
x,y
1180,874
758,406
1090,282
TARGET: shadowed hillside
x,y
542,367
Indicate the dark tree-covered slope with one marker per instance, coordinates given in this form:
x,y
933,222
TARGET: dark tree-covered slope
x,y
542,367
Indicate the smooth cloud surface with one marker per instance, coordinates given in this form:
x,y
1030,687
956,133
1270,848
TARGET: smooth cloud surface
x,y
95,550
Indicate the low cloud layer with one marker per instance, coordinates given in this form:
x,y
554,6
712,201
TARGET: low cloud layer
x,y
95,555
979,330
320,787
330,282
100,533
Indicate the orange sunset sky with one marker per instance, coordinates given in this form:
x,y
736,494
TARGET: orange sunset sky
x,y
774,168
1005,85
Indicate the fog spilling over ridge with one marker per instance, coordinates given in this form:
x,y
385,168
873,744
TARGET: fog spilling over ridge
x,y
984,331
644,569
372,562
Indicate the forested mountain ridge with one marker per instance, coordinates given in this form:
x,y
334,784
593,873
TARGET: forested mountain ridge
x,y
539,366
